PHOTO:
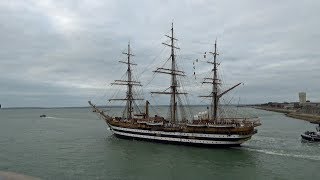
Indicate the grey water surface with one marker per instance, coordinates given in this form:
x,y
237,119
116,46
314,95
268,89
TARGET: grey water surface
x,y
72,143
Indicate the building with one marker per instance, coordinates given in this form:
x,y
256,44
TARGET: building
x,y
310,109
302,97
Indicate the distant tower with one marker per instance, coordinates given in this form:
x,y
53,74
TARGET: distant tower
x,y
302,97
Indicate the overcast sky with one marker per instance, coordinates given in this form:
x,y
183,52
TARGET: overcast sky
x,y
64,53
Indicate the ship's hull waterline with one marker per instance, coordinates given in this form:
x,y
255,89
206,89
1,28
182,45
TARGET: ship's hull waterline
x,y
191,139
220,136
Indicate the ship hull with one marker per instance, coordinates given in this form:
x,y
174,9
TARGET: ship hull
x,y
190,139
176,143
213,135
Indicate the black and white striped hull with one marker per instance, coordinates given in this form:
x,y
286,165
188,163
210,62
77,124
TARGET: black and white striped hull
x,y
194,139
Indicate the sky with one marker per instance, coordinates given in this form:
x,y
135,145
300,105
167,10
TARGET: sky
x,y
64,53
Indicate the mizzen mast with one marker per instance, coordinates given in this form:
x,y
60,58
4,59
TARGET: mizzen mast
x,y
174,72
215,81
129,83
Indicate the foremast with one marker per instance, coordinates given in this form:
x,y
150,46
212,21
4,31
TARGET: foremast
x,y
129,83
215,81
173,72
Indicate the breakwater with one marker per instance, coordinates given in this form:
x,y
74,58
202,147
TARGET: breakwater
x,y
292,113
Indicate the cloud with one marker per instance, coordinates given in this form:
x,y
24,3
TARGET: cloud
x,y
63,53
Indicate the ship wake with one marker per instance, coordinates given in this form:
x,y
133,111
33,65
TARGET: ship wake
x,y
273,152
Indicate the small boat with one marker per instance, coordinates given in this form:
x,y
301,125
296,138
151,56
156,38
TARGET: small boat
x,y
312,135
43,115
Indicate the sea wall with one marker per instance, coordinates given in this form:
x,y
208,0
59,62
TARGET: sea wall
x,y
280,110
306,117
292,113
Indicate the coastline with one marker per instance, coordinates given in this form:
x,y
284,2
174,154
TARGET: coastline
x,y
307,117
279,110
293,114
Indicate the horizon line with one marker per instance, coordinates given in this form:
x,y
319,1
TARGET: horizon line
x,y
59,107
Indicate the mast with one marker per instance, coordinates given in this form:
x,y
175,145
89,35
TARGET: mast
x,y
215,80
129,95
173,80
215,83
174,73
129,83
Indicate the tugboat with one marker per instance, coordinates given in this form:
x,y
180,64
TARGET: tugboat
x,y
312,135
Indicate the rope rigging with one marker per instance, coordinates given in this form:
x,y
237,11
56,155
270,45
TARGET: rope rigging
x,y
179,83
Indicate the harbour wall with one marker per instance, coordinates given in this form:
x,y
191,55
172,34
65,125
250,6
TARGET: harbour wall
x,y
293,113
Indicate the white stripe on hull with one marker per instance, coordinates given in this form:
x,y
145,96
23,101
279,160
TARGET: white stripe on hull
x,y
182,134
181,140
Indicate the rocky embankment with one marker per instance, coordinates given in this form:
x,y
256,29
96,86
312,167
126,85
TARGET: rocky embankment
x,y
280,110
307,117
292,113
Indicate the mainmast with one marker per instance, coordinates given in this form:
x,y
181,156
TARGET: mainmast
x,y
215,84
129,83
174,73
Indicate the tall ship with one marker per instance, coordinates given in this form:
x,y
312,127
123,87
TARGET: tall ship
x,y
206,129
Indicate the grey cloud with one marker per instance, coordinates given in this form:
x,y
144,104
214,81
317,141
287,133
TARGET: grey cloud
x,y
63,53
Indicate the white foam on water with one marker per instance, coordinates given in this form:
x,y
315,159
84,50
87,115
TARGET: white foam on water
x,y
59,118
259,138
49,117
6,175
270,152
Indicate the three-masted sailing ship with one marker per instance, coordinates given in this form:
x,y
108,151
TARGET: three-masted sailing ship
x,y
208,130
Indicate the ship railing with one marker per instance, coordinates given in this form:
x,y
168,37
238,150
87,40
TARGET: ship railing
x,y
237,121
172,125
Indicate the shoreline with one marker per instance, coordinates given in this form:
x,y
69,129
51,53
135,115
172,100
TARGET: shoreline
x,y
274,109
293,114
306,117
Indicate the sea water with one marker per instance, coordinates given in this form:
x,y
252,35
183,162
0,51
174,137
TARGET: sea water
x,y
73,143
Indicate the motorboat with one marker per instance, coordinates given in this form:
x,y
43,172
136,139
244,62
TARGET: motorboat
x,y
312,135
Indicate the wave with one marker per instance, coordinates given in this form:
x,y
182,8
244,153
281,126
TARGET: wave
x,y
60,118
263,138
310,157
50,117
13,175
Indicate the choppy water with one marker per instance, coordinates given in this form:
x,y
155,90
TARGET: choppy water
x,y
75,144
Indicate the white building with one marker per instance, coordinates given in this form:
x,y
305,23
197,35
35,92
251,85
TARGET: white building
x,y
302,97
